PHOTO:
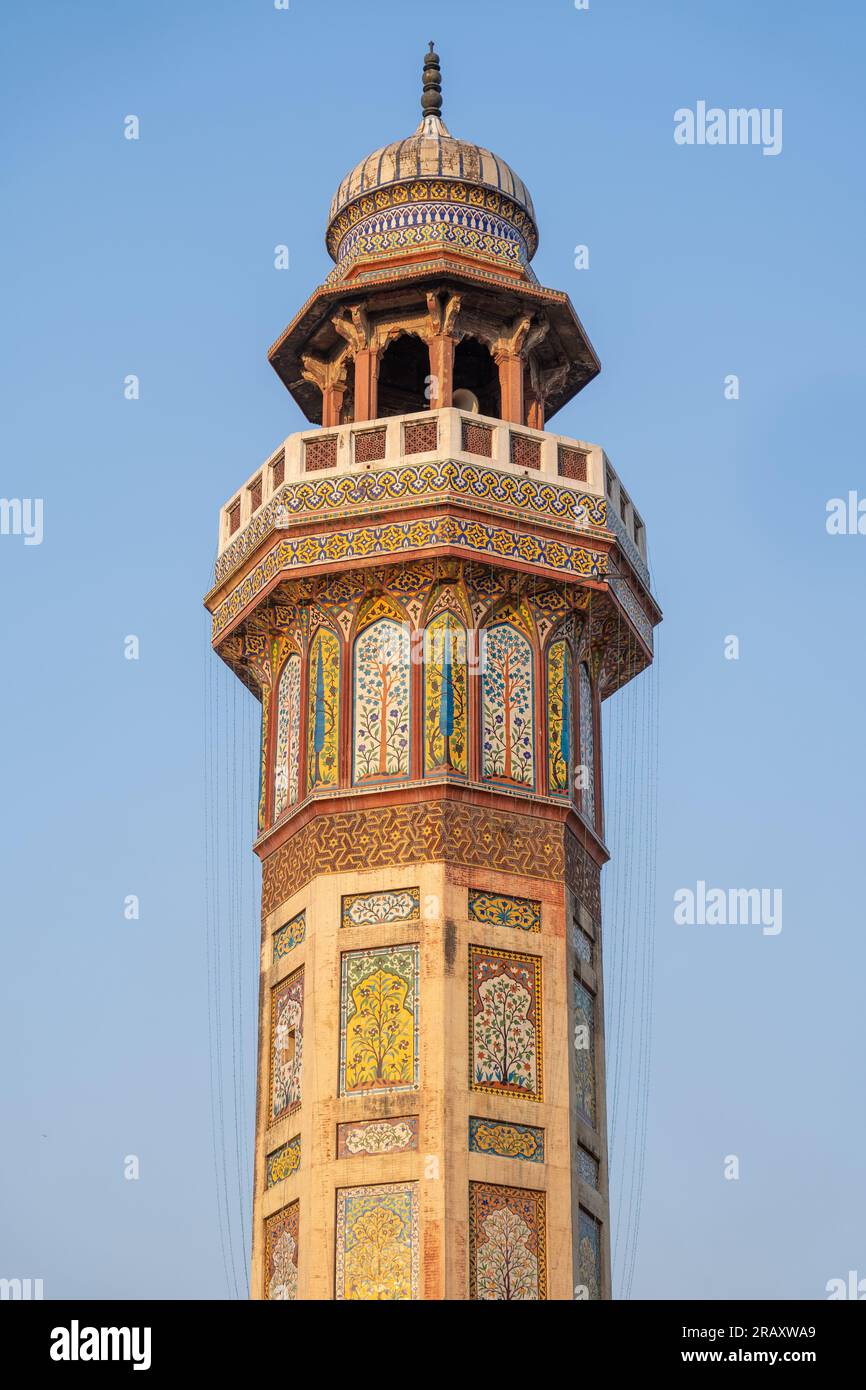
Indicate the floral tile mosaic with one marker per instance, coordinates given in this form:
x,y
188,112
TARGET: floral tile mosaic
x,y
379,1045
395,1135
390,905
289,936
283,1162
506,1140
281,1255
377,1247
503,910
507,1244
505,1023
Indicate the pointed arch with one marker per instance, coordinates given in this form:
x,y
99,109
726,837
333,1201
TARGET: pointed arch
x,y
514,611
375,606
323,710
448,594
446,696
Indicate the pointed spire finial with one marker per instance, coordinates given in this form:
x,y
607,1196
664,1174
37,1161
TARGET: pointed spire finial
x,y
431,96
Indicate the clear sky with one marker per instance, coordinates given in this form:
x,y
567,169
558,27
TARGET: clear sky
x,y
155,257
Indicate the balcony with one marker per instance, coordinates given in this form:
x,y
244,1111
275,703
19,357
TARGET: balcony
x,y
571,466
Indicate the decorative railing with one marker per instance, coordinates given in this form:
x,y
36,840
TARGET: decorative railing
x,y
446,434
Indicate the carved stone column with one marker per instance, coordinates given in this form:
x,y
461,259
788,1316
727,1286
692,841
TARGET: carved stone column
x,y
332,404
534,410
358,333
541,384
366,384
510,386
329,374
442,342
510,352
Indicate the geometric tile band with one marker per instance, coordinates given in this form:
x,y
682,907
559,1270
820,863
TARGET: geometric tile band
x,y
403,200
386,836
502,910
377,1257
408,485
506,1140
365,542
431,224
507,1243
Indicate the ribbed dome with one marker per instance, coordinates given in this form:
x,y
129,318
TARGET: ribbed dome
x,y
432,151
432,186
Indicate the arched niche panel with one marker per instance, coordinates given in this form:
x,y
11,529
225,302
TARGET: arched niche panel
x,y
381,700
446,724
287,753
588,797
507,707
323,711
560,718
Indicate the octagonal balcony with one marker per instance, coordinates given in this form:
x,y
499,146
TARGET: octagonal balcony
x,y
315,473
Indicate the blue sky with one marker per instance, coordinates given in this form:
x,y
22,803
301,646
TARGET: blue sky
x,y
155,257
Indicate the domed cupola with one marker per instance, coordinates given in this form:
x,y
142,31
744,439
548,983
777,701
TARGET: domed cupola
x,y
432,191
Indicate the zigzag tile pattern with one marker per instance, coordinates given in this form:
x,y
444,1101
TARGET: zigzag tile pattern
x,y
412,484
473,836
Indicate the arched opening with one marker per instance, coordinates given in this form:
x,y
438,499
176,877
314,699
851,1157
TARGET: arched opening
x,y
403,372
475,370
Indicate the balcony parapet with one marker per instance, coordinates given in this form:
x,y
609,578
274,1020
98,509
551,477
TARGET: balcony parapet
x,y
412,460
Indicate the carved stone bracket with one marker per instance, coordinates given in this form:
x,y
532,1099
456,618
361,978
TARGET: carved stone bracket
x,y
329,374
355,329
443,317
325,372
519,338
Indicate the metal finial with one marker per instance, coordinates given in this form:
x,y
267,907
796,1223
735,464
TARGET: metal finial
x,y
431,96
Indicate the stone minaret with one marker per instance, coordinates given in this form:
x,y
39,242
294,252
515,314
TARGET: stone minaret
x,y
431,593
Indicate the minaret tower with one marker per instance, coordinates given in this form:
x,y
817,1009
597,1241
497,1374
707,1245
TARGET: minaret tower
x,y
431,593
